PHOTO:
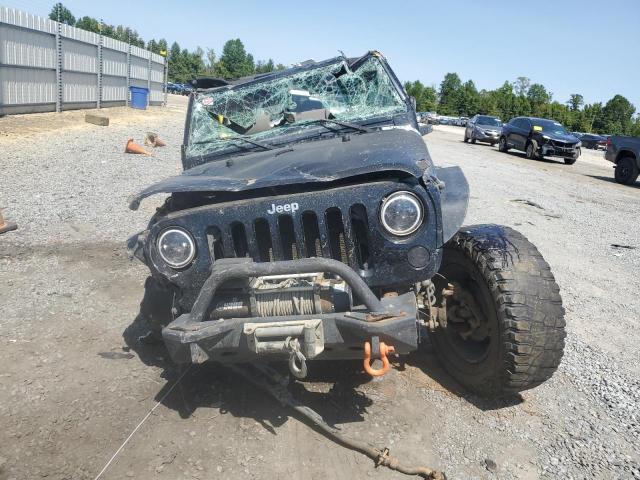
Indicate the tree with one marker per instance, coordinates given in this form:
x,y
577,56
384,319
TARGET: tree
x,y
575,102
449,91
426,97
88,23
616,116
467,100
521,86
62,14
538,97
264,67
235,59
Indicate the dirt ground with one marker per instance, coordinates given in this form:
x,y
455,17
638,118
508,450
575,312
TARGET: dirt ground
x,y
74,383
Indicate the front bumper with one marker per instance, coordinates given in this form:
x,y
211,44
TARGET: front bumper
x,y
192,337
486,137
554,151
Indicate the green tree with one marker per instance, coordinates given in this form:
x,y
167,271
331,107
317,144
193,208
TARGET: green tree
x,y
235,60
468,99
88,23
521,86
616,116
62,14
264,67
449,91
575,102
426,97
538,97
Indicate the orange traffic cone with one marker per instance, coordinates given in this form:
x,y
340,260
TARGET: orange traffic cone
x,y
6,226
133,147
151,139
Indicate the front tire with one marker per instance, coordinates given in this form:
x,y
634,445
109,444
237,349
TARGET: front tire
x,y
502,145
626,171
505,324
531,152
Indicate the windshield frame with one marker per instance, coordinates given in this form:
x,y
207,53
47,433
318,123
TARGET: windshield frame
x,y
307,130
496,119
550,126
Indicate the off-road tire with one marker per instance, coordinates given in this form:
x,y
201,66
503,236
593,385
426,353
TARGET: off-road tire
x,y
502,145
522,303
626,171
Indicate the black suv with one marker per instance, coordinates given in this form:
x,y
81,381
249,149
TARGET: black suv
x,y
483,128
310,223
539,137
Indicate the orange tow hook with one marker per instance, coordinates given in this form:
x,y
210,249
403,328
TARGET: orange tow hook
x,y
384,350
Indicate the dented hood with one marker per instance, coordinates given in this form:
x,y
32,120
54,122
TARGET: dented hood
x,y
390,149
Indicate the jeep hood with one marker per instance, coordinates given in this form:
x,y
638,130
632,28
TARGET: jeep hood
x,y
399,149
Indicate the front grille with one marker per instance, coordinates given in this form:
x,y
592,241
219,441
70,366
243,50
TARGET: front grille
x,y
562,146
338,233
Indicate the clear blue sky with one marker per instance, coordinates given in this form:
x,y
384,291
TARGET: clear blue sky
x,y
570,46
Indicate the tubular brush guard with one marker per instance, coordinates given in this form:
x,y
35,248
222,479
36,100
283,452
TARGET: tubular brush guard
x,y
192,337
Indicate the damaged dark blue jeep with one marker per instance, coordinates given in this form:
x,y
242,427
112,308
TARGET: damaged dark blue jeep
x,y
310,223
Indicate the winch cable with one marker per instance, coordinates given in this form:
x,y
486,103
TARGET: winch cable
x,y
275,384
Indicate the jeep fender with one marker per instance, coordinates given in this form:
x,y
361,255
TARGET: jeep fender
x,y
454,199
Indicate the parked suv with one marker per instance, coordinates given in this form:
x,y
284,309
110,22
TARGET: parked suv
x,y
539,137
483,128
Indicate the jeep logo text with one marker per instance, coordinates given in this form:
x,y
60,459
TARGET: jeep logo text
x,y
287,207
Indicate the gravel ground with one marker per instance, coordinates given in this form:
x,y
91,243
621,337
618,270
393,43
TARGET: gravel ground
x,y
71,389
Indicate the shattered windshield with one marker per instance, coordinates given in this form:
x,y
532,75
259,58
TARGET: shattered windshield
x,y
276,105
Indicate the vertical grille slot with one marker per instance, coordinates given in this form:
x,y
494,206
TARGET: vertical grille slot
x,y
311,231
335,227
239,238
214,240
263,239
287,237
360,228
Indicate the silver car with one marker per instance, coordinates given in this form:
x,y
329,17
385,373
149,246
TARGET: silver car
x,y
483,128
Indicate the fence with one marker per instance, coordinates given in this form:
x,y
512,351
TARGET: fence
x,y
49,66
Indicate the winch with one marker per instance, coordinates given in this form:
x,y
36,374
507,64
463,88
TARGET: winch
x,y
284,295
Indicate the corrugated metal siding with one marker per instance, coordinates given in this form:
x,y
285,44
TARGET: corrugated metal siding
x,y
25,48
139,68
26,20
79,87
114,63
21,86
114,89
29,58
79,57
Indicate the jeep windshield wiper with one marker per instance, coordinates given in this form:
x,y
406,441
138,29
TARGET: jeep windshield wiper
x,y
353,126
249,140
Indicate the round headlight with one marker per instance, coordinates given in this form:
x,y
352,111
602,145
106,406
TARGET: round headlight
x,y
176,247
401,213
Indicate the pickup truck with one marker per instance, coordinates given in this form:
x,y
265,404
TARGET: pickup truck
x,y
624,152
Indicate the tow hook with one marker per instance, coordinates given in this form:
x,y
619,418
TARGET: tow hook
x,y
376,349
297,360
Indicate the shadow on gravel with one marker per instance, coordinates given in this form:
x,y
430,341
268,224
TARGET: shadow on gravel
x,y
427,362
613,180
330,388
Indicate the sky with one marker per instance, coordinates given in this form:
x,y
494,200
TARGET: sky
x,y
588,47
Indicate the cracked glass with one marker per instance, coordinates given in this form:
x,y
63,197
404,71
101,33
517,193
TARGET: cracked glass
x,y
261,110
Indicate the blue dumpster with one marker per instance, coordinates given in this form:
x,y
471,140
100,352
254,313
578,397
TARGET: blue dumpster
x,y
139,96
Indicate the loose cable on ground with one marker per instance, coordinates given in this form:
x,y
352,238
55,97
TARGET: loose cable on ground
x,y
280,392
104,469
